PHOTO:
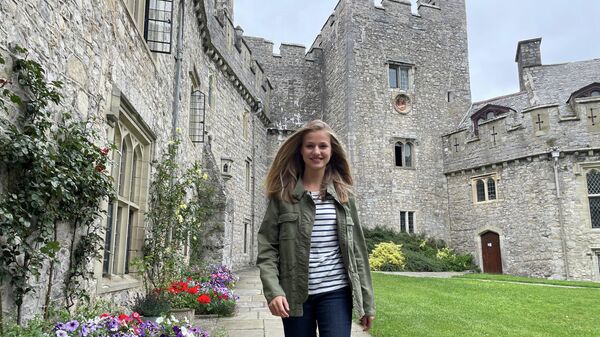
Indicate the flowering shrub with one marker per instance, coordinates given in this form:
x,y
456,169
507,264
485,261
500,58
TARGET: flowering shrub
x,y
387,256
127,326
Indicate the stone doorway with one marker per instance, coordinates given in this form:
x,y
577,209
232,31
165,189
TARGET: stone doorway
x,y
490,252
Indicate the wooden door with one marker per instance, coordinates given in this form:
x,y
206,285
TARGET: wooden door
x,y
490,250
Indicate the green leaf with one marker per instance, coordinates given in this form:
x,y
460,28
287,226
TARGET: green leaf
x,y
51,248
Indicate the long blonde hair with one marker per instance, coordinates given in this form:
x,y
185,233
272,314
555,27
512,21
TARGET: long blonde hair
x,y
288,166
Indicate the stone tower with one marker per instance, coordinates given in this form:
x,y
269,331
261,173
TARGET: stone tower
x,y
391,83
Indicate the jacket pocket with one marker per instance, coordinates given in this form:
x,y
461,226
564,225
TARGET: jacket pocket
x,y
288,228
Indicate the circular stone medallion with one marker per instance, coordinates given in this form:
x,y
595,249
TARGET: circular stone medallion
x,y
402,103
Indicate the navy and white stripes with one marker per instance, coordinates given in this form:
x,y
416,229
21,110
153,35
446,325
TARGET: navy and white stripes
x,y
326,267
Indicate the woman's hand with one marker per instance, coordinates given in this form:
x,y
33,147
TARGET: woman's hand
x,y
367,322
279,307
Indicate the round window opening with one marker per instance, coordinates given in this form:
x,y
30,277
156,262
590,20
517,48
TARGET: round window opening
x,y
402,103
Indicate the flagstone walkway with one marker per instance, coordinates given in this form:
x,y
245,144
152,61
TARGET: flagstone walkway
x,y
253,318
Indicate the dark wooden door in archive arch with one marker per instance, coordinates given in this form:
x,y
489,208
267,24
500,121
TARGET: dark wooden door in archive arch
x,y
490,251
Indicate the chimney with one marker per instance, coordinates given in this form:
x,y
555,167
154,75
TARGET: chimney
x,y
528,55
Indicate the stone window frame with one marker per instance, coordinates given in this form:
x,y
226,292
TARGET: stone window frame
x,y
596,263
124,219
248,175
139,13
245,238
246,124
488,194
210,97
595,224
197,110
404,143
407,226
410,73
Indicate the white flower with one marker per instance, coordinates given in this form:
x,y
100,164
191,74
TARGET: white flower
x,y
180,218
205,176
178,130
160,320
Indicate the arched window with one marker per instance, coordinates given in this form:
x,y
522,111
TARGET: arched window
x,y
595,93
491,189
399,147
490,115
408,155
123,167
403,151
593,187
480,191
484,188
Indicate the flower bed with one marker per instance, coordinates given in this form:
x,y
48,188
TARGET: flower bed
x,y
127,326
208,291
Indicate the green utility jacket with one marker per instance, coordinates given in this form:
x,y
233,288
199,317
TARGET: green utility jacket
x,y
284,248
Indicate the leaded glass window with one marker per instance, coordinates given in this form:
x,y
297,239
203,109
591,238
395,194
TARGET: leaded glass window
x,y
593,186
159,21
399,77
197,115
491,187
480,190
485,188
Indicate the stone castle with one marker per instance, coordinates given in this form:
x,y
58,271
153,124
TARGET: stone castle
x,y
511,180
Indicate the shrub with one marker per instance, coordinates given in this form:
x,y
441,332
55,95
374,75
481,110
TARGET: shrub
x,y
151,305
421,253
387,256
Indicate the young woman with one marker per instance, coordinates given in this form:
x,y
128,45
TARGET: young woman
x,y
312,254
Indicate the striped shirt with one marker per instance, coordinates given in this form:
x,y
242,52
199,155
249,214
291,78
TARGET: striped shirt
x,y
326,267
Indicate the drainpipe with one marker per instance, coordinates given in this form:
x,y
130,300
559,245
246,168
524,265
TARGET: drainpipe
x,y
555,155
257,112
178,60
177,88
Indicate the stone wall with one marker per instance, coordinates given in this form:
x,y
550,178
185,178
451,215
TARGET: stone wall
x,y
536,227
435,45
75,44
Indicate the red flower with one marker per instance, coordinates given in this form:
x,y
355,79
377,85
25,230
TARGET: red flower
x,y
136,316
204,299
100,168
105,315
123,317
194,290
104,151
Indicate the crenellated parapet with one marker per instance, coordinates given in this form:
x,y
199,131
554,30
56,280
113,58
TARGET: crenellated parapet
x,y
225,45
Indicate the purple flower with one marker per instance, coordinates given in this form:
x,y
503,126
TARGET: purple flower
x,y
113,324
61,333
72,326
60,326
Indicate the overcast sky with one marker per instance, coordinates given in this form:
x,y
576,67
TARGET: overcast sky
x,y
570,31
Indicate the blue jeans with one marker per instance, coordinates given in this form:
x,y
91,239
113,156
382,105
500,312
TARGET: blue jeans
x,y
330,311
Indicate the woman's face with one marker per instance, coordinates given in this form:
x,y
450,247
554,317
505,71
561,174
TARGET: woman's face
x,y
316,150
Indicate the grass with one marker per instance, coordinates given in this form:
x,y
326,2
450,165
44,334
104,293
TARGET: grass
x,y
522,279
467,307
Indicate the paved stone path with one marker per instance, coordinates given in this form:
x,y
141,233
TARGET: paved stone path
x,y
253,318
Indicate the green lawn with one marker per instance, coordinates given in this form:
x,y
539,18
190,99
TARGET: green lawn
x,y
461,307
522,279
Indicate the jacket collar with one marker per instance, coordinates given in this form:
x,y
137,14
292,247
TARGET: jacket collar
x,y
299,190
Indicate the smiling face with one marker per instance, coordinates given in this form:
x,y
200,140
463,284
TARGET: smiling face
x,y
316,150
